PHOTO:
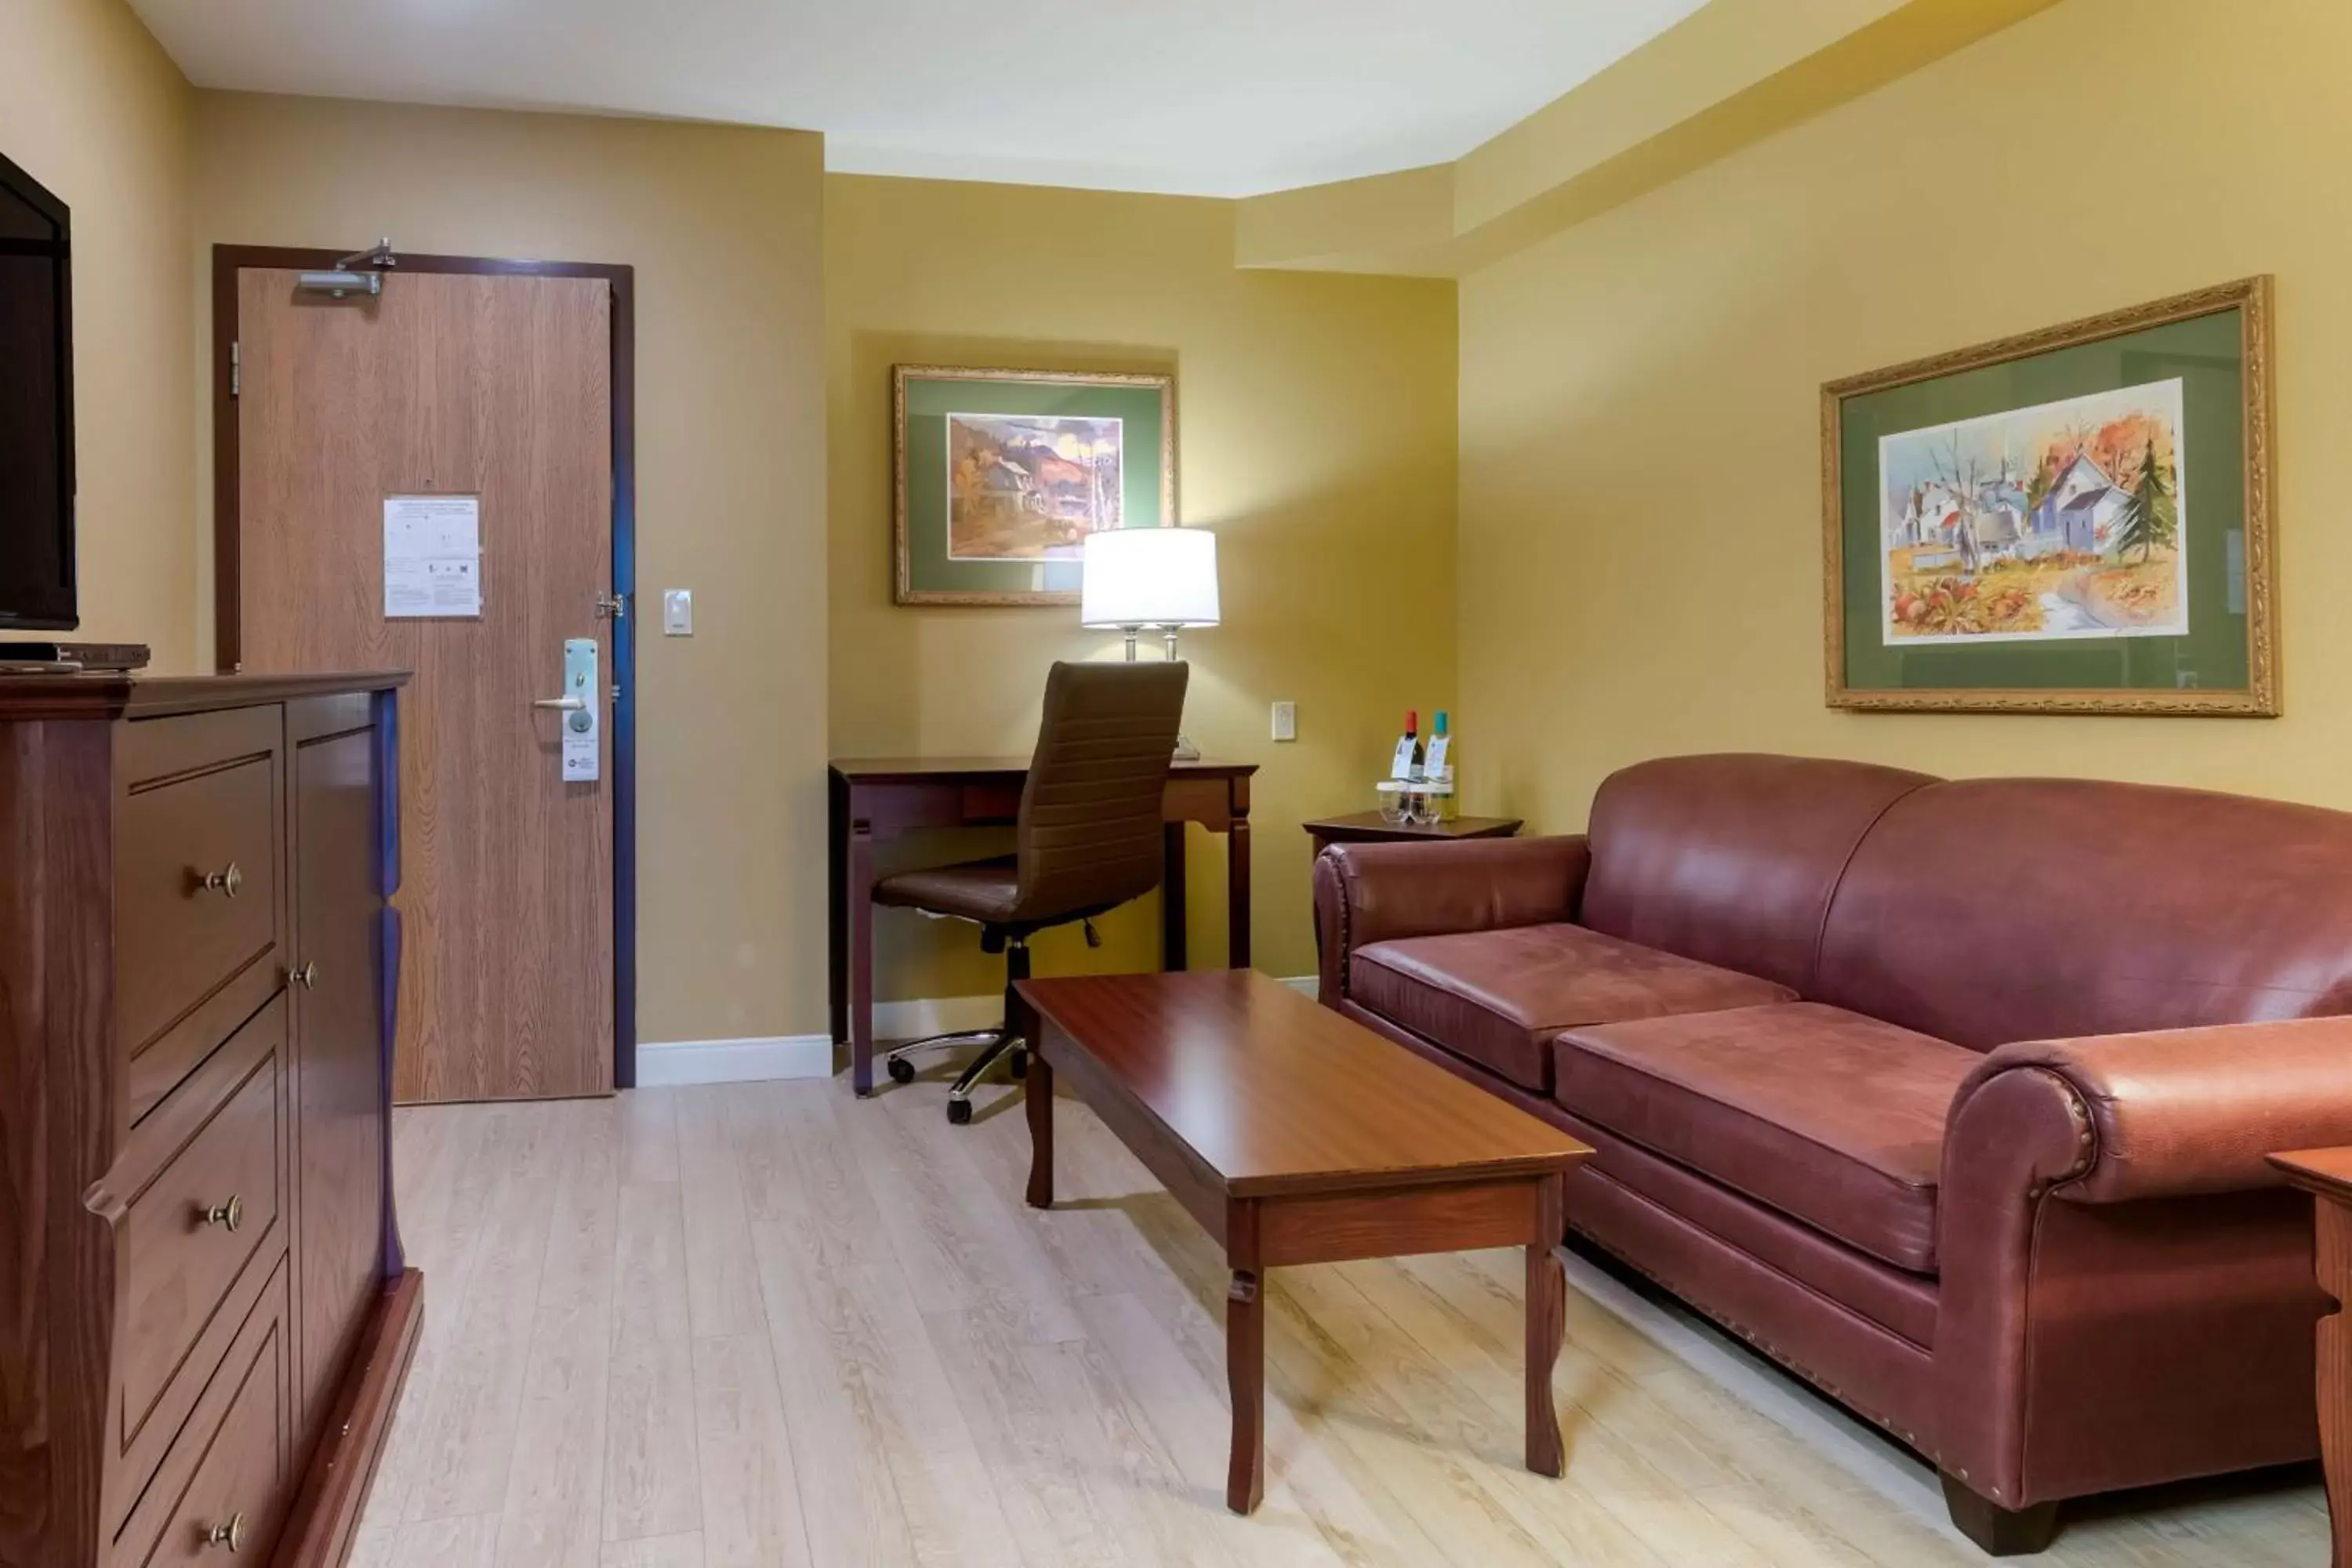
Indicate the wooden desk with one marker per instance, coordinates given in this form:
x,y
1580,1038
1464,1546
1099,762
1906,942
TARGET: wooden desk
x,y
874,798
1294,1135
2326,1175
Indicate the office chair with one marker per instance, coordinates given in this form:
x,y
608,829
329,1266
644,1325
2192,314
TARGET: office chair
x,y
1089,839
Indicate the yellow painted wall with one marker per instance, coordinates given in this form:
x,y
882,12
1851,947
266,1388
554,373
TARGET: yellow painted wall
x,y
1316,427
1641,530
722,225
90,106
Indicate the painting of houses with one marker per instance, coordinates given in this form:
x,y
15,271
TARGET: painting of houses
x,y
1029,487
2060,520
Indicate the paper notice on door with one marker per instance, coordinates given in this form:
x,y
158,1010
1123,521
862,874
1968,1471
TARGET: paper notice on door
x,y
432,556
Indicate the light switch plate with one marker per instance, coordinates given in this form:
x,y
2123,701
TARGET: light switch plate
x,y
678,612
1286,720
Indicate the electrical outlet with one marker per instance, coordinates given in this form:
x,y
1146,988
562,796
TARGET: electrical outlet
x,y
678,612
1286,720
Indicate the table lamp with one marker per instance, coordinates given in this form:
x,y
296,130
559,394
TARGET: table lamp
x,y
1139,577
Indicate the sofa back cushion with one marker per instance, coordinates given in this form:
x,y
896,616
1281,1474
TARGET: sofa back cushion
x,y
1731,858
1986,910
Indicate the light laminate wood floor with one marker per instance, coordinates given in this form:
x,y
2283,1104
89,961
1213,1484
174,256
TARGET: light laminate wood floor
x,y
769,1324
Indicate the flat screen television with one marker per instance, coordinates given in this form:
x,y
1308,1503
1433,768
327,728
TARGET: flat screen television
x,y
37,438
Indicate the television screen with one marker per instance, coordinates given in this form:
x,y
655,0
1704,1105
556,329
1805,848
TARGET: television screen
x,y
37,487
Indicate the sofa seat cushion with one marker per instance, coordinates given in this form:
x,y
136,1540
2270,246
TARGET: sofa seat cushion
x,y
1498,997
1832,1118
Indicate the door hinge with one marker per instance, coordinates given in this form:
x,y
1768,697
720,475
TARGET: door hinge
x,y
236,369
613,607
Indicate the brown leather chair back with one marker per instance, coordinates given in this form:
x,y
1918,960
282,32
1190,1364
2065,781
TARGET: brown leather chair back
x,y
1089,834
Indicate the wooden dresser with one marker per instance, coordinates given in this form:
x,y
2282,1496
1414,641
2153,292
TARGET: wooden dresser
x,y
204,1318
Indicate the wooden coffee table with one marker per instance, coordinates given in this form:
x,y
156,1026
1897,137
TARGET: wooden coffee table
x,y
1296,1136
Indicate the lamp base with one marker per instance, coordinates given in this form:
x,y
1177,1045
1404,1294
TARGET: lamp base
x,y
1167,635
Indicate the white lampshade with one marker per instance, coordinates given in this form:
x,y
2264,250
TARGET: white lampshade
x,y
1150,577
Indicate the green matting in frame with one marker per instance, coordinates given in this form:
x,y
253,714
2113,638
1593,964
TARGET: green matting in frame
x,y
1979,554
999,475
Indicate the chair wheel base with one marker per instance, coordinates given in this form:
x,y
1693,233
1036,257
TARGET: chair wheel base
x,y
1018,1066
901,1071
959,1112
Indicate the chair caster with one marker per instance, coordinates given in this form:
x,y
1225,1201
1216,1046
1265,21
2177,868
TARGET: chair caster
x,y
1019,1064
959,1112
901,1071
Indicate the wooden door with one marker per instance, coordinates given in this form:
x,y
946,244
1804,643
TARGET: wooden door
x,y
338,1127
466,384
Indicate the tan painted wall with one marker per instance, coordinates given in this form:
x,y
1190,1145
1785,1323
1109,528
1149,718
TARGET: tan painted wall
x,y
91,106
1639,566
722,225
1316,422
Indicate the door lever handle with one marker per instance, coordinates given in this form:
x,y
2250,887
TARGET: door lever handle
x,y
566,704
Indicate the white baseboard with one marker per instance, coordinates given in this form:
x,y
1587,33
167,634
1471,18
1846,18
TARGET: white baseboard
x,y
669,1064
920,1015
913,1019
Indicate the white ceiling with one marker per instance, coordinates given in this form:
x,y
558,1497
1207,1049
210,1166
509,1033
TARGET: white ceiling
x,y
1202,97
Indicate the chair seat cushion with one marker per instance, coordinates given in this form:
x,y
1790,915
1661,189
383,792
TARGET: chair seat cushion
x,y
1497,997
982,891
1832,1118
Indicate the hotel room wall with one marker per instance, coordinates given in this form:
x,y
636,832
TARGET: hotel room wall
x,y
722,226
1316,432
92,108
1640,568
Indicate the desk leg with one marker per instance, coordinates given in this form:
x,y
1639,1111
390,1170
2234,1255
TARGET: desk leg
x,y
1172,898
1547,1326
2332,1232
836,905
1237,893
860,922
1038,1091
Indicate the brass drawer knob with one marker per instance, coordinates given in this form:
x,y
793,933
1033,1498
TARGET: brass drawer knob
x,y
231,1535
307,977
229,1215
228,884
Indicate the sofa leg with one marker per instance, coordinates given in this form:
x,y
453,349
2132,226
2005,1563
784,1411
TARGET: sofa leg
x,y
2001,1531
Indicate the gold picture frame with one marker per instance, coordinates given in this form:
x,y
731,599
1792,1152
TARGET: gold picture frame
x,y
2225,568
930,399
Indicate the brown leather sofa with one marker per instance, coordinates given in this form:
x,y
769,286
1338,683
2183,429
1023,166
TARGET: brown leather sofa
x,y
1952,1096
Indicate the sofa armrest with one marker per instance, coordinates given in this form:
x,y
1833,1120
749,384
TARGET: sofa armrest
x,y
2105,1206
2177,1113
1366,893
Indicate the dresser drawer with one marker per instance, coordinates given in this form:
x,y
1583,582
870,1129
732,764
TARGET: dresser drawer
x,y
220,1495
196,1205
199,905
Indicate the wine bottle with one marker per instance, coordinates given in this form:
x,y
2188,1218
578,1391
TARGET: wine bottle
x,y
1409,759
1438,766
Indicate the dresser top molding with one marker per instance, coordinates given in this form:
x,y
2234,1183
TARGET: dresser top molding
x,y
110,694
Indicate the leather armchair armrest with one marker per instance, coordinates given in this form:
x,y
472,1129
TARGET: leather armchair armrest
x,y
2176,1112
1366,893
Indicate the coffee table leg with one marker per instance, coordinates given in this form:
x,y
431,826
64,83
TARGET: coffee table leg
x,y
1547,1326
1038,1100
1246,1378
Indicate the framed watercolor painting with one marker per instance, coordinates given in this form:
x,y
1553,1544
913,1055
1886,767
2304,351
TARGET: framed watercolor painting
x,y
999,476
2076,521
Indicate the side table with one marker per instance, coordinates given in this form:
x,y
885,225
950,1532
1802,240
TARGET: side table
x,y
1371,827
2326,1175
